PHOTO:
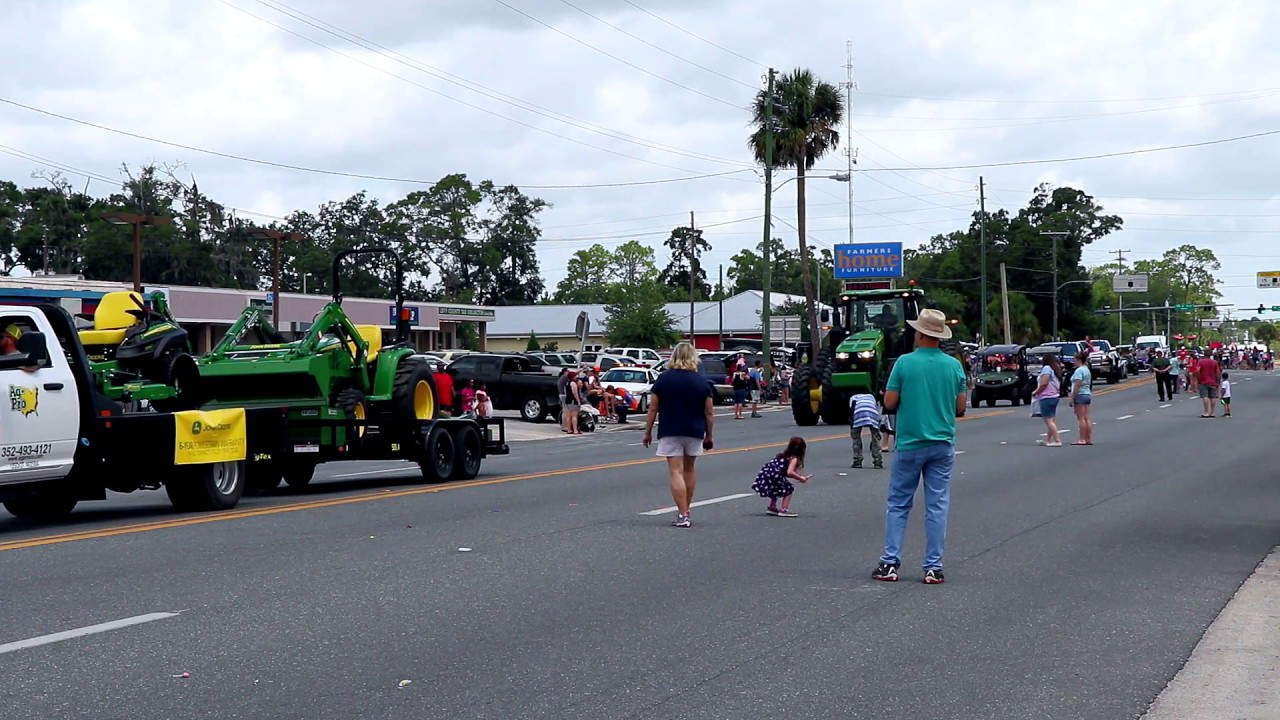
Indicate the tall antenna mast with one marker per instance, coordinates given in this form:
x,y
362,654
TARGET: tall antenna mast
x,y
850,152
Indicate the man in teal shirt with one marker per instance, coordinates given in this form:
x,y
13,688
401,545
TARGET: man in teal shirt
x,y
927,390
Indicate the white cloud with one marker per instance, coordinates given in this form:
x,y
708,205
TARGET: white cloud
x,y
204,74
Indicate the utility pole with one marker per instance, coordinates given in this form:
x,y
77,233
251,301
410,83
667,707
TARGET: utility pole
x,y
982,252
693,231
1120,264
1168,321
1004,298
765,311
850,152
720,293
1055,286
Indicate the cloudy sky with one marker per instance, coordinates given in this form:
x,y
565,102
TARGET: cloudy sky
x,y
541,93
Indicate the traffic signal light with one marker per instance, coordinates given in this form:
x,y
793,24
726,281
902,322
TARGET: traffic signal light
x,y
1261,309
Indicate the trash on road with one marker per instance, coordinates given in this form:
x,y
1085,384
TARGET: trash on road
x,y
843,474
464,549
182,676
405,683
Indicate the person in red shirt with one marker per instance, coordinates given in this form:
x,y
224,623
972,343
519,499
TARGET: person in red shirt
x,y
1208,375
444,390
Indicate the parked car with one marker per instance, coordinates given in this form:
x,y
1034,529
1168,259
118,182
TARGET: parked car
x,y
637,381
600,362
1002,375
642,357
538,364
450,355
556,359
512,384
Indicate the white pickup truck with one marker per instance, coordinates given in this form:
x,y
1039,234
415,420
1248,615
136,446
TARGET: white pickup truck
x,y
62,441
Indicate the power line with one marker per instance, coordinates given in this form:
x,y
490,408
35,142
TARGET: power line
x,y
695,36
1099,156
1026,101
464,83
656,47
446,95
608,54
339,173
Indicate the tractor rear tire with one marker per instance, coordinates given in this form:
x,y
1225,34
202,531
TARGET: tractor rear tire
x,y
802,410
179,371
438,461
214,486
413,395
834,409
41,506
299,475
355,406
468,453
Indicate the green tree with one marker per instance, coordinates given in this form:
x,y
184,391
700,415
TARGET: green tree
x,y
599,275
639,318
532,345
807,113
687,246
508,261
1266,333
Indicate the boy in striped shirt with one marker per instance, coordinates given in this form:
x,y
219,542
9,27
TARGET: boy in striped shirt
x,y
864,412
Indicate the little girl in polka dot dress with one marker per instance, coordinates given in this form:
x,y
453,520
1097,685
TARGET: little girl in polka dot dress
x,y
774,480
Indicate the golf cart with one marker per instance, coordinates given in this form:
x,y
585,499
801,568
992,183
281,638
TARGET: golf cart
x,y
1002,375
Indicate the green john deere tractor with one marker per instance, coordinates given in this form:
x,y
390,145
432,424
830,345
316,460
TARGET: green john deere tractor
x,y
364,394
139,352
868,333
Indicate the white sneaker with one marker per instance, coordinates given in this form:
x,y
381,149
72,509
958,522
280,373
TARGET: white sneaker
x,y
1053,444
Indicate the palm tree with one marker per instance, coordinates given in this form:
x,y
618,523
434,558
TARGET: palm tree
x,y
807,113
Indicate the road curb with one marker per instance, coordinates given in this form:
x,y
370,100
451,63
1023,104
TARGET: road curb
x,y
1234,671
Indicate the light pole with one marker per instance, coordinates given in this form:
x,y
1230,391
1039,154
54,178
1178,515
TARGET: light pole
x,y
1055,235
275,236
764,314
137,221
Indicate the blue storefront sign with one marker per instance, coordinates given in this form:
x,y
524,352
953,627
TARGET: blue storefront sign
x,y
868,260
413,314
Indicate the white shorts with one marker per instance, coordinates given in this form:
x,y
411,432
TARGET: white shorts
x,y
679,447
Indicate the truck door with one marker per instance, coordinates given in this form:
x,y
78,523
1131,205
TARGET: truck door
x,y
39,408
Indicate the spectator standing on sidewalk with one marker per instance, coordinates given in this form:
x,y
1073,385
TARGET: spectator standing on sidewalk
x,y
562,389
681,403
1208,378
755,385
927,390
572,404
864,413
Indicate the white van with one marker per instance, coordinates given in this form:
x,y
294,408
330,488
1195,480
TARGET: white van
x,y
643,357
1151,343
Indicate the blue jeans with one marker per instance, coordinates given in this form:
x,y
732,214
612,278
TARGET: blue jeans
x,y
933,462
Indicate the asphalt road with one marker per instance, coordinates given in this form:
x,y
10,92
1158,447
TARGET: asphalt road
x,y
1078,581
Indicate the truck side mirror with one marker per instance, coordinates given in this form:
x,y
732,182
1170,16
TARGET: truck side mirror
x,y
824,316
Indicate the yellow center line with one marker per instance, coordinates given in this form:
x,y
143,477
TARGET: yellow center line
x,y
44,540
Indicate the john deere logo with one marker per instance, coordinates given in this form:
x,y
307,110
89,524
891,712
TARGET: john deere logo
x,y
197,427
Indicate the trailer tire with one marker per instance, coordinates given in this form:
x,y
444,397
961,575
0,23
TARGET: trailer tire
x,y
355,406
261,477
215,486
439,459
179,371
468,453
299,475
40,506
413,394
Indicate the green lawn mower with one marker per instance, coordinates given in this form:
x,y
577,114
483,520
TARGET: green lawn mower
x,y
139,352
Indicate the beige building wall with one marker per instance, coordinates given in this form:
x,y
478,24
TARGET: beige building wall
x,y
567,343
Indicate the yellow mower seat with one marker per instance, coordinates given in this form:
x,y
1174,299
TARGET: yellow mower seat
x,y
371,334
112,319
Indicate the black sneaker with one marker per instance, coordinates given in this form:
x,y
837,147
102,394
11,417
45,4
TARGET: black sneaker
x,y
933,576
885,571
856,465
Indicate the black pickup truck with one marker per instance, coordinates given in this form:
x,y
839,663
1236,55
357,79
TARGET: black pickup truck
x,y
512,384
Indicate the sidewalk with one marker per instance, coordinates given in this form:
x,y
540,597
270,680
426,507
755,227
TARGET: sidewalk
x,y
1234,672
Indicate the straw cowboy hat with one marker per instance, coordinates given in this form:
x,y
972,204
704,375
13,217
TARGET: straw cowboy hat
x,y
932,323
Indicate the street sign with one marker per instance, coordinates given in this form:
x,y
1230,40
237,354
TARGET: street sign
x,y
1210,324
583,327
1129,283
868,260
271,298
1184,308
851,285
413,314
1269,279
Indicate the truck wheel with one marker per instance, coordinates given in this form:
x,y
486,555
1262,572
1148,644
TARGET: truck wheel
x,y
804,409
534,409
299,475
215,486
974,399
1016,399
468,451
413,396
40,506
353,403
438,461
